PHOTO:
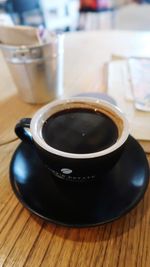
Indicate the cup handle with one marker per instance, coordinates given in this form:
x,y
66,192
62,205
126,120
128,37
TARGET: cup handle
x,y
22,132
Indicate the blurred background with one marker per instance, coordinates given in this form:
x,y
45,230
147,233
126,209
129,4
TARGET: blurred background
x,y
75,15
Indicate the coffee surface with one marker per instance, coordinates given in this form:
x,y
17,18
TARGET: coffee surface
x,y
79,130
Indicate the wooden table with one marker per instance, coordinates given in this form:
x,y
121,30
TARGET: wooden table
x,y
26,240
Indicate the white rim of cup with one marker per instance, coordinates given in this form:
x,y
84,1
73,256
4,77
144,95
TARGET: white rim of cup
x,y
45,112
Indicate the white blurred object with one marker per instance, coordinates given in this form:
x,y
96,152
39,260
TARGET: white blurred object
x,y
5,20
139,70
96,20
61,14
2,1
118,84
133,17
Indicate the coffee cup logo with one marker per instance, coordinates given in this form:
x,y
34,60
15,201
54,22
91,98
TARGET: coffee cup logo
x,y
66,171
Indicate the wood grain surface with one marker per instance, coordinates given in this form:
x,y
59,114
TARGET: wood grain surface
x,y
26,240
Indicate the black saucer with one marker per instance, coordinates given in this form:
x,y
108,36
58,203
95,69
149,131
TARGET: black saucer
x,y
80,205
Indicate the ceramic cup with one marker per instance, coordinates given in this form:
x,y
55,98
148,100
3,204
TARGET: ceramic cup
x,y
73,166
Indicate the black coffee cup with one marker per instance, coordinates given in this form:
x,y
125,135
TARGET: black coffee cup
x,y
76,137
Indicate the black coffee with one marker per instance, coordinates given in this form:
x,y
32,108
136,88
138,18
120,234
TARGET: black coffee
x,y
79,131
